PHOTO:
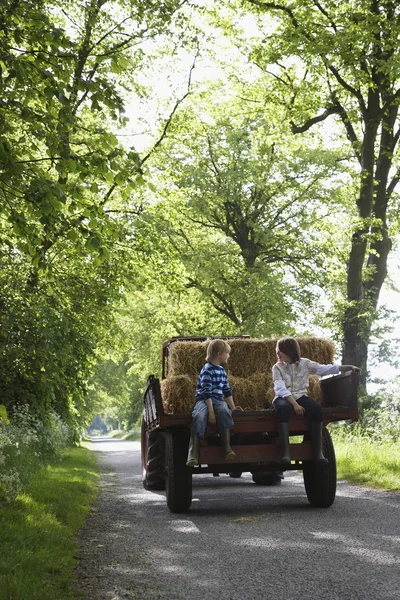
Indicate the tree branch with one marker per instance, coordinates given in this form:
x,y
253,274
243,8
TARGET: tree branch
x,y
310,122
324,12
175,108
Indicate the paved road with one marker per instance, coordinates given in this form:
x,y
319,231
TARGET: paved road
x,y
239,541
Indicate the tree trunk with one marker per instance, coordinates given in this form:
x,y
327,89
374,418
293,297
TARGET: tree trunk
x,y
357,322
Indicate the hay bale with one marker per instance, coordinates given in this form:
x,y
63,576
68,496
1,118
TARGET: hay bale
x,y
318,349
250,392
251,356
187,358
314,388
178,394
249,371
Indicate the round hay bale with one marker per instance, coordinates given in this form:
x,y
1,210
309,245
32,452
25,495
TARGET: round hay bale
x,y
178,394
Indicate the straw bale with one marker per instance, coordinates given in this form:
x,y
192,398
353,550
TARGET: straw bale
x,y
187,358
178,394
314,388
249,371
318,349
249,356
250,392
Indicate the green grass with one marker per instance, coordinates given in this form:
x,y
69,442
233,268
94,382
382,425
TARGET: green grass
x,y
133,435
37,530
372,464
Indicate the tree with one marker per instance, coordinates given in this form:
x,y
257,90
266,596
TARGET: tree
x,y
62,101
340,59
65,179
246,210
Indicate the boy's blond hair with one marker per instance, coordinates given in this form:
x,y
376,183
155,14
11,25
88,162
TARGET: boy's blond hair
x,y
215,347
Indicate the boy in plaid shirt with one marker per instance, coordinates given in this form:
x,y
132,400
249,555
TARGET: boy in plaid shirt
x,y
211,392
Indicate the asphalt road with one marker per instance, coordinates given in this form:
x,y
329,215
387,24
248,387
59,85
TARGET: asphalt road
x,y
239,541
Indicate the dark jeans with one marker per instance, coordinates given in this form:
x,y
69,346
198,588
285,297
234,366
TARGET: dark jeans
x,y
284,410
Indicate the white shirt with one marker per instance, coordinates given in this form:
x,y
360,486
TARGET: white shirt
x,y
292,379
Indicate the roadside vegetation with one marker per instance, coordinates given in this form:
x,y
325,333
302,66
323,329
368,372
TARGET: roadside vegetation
x,y
368,451
365,462
131,435
38,529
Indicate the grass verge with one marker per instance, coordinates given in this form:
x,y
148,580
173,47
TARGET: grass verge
x,y
38,549
132,435
368,463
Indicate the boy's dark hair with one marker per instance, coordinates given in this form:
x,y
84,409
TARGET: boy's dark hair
x,y
290,347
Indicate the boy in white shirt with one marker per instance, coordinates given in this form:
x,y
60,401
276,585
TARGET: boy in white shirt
x,y
291,377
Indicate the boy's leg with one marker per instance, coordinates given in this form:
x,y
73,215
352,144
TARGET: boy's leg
x,y
199,419
283,410
223,415
313,412
197,431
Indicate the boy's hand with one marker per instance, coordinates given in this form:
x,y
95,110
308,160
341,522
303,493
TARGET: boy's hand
x,y
237,408
344,368
299,410
211,417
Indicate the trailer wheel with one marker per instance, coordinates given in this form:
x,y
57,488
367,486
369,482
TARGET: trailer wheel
x,y
235,474
178,475
320,481
153,459
267,477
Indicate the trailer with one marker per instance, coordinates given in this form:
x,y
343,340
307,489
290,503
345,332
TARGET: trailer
x,y
165,439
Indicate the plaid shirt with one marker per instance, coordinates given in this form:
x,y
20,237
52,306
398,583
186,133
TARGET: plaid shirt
x,y
292,379
212,383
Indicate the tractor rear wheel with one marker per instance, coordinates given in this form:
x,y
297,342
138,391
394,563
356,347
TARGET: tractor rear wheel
x,y
153,459
320,480
178,475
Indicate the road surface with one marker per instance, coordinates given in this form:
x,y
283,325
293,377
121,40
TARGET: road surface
x,y
239,541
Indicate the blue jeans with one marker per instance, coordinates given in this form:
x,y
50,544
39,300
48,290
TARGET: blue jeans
x,y
223,415
284,410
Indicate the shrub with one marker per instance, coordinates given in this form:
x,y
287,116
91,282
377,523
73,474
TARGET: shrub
x,y
26,445
378,424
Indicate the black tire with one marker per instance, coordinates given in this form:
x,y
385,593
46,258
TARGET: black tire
x,y
153,460
320,481
267,477
178,475
235,474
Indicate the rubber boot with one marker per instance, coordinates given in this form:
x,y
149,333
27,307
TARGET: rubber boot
x,y
193,454
316,444
283,429
225,435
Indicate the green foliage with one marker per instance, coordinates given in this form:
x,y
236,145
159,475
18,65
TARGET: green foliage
x,y
65,181
335,65
379,420
237,210
39,530
26,446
